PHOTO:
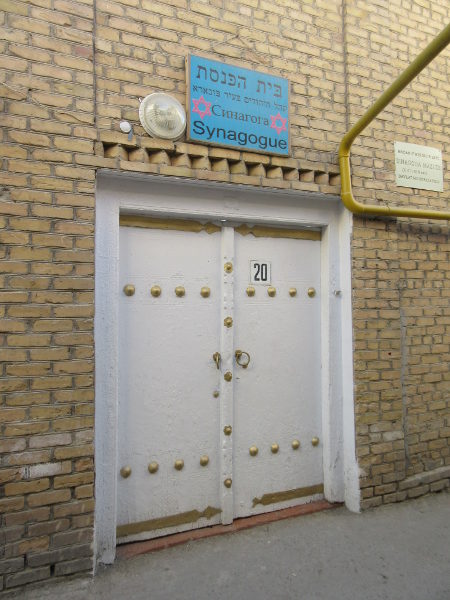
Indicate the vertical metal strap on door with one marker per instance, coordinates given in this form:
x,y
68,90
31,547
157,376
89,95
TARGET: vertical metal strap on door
x,y
226,389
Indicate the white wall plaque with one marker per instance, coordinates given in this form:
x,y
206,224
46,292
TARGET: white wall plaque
x,y
260,272
418,167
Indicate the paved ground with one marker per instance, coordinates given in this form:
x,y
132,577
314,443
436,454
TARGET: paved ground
x,y
396,552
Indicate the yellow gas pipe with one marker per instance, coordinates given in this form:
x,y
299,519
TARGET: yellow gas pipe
x,y
425,57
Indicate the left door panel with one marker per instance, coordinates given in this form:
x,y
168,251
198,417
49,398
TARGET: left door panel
x,y
167,378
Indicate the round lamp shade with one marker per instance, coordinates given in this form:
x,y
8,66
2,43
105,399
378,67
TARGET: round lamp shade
x,y
162,116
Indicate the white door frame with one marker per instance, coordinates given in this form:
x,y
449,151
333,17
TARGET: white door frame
x,y
171,197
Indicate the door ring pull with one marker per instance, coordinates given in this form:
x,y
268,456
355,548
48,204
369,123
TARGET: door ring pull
x,y
216,359
238,354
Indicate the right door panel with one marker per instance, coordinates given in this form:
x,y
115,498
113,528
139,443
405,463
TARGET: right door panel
x,y
277,398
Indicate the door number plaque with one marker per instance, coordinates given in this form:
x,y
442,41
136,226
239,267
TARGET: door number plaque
x,y
260,272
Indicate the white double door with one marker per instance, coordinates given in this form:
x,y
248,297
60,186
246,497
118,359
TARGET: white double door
x,y
203,438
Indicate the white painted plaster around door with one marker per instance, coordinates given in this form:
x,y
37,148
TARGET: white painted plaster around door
x,y
170,198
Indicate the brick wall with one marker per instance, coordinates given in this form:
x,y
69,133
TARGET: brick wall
x,y
141,48
381,40
401,280
46,237
62,97
401,315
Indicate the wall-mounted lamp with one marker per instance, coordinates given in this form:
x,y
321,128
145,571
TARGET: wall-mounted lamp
x,y
162,116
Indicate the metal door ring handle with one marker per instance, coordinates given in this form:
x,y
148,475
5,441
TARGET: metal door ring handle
x,y
238,354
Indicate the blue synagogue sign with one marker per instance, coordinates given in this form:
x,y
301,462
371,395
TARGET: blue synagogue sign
x,y
238,108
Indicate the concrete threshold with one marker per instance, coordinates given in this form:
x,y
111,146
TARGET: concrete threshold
x,y
133,549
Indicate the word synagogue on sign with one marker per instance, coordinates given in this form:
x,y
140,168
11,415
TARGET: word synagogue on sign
x,y
239,108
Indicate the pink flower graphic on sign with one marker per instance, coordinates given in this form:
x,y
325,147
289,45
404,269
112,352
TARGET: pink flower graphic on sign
x,y
274,125
204,111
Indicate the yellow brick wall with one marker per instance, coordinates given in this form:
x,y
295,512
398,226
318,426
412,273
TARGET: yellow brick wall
x,y
401,284
67,77
46,302
401,312
380,42
142,46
